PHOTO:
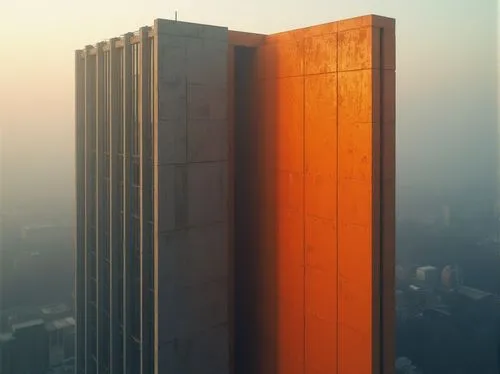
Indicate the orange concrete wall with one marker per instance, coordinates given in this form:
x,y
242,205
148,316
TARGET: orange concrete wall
x,y
322,235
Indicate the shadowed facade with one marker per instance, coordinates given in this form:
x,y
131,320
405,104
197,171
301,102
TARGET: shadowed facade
x,y
235,200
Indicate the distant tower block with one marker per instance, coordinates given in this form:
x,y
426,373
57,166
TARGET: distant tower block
x,y
428,275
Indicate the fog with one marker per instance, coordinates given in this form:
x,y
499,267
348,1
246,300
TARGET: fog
x,y
446,104
447,125
446,112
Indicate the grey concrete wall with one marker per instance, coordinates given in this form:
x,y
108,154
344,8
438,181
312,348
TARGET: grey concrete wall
x,y
191,170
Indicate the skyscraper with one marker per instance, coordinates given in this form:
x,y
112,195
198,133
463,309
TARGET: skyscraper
x,y
225,182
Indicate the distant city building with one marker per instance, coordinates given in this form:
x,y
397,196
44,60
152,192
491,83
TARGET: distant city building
x,y
45,335
30,353
45,253
61,334
428,275
7,353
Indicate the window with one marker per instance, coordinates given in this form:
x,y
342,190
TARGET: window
x,y
136,233
120,300
120,196
118,350
136,171
135,359
136,309
120,132
91,262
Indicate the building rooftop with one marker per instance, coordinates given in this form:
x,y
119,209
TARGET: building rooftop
x,y
54,309
473,293
60,324
27,324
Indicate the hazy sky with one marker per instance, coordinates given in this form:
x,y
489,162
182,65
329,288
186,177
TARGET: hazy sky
x,y
447,72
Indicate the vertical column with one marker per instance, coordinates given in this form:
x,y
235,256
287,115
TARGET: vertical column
x,y
231,203
356,86
105,198
99,201
115,239
135,237
191,217
387,37
154,149
127,165
90,211
285,170
320,213
366,200
146,162
80,211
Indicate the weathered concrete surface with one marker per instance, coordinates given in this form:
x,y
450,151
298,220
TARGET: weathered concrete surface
x,y
322,221
191,160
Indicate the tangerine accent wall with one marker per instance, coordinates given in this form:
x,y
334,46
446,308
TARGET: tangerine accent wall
x,y
315,176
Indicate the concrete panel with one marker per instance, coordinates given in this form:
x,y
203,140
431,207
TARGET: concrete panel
x,y
207,140
213,53
355,97
358,49
193,309
172,142
196,355
320,145
207,193
320,54
172,59
172,99
321,244
321,321
194,256
355,151
207,102
320,123
321,195
172,197
289,124
207,356
354,196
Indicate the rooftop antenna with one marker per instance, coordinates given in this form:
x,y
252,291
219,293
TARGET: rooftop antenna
x,y
175,16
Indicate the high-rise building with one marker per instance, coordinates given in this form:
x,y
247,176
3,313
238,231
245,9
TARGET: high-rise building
x,y
235,200
152,221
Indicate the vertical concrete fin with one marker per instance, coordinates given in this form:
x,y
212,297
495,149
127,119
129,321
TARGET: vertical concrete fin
x,y
191,164
80,210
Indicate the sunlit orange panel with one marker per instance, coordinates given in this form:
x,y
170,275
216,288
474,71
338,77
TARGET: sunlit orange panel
x,y
324,117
